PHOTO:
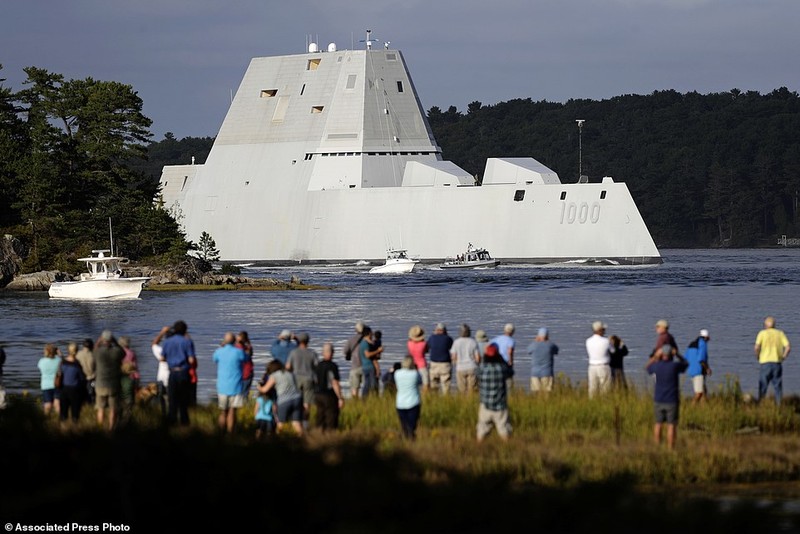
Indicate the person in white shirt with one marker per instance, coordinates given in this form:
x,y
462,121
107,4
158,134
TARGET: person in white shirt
x,y
162,375
599,358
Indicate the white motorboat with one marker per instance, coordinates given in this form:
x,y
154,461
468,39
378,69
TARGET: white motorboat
x,y
473,258
397,261
104,280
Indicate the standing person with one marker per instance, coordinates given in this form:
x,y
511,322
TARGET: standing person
x,y
283,346
329,398
248,369
617,351
417,347
86,359
466,356
2,389
288,397
229,359
506,344
302,363
178,351
408,401
108,357
597,348
73,386
482,339
356,377
367,354
771,348
493,375
666,398
49,366
130,377
265,415
438,346
663,336
697,356
162,372
542,352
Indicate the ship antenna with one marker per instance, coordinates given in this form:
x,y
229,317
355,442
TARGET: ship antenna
x,y
580,147
368,40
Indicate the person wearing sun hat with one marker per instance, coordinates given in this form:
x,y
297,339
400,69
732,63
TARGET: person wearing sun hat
x,y
416,347
697,356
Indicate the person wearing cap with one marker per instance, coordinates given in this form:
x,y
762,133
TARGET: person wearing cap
x,y
482,339
771,348
230,360
505,344
664,337
493,374
303,362
466,356
697,356
597,348
542,352
356,377
416,347
438,346
666,365
108,378
283,346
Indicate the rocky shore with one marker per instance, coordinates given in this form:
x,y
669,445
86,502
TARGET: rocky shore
x,y
191,272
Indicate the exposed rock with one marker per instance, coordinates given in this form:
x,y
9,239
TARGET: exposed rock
x,y
10,260
37,281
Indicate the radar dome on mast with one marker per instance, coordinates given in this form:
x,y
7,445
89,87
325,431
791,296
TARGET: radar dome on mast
x,y
313,48
332,47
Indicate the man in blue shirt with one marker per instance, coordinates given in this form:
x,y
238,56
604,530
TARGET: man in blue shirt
x,y
667,394
283,346
229,359
542,351
178,351
506,344
441,368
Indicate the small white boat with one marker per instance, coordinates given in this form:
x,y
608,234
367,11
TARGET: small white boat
x,y
104,280
397,261
473,258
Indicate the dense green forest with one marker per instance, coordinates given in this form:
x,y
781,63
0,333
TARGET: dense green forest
x,y
67,153
720,169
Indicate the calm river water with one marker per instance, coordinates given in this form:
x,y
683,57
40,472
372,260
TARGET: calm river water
x,y
728,292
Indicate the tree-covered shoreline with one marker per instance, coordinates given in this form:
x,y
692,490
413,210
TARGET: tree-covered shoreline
x,y
714,170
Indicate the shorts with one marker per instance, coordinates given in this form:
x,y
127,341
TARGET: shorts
x,y
106,398
699,383
306,386
426,377
666,413
290,410
48,396
226,402
356,379
541,383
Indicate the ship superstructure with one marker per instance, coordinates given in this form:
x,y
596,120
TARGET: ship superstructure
x,y
328,156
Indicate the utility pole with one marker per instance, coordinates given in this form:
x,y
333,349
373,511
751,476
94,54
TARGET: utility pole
x,y
580,147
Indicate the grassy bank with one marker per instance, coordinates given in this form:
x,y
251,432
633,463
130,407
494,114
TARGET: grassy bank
x,y
571,465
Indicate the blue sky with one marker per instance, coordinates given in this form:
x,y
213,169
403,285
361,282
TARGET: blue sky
x,y
185,57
